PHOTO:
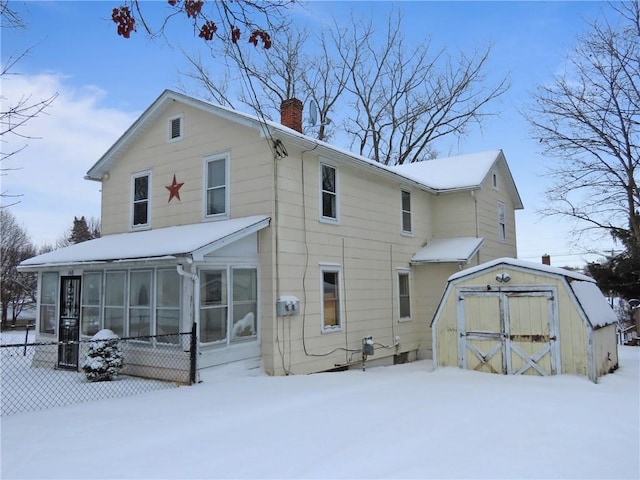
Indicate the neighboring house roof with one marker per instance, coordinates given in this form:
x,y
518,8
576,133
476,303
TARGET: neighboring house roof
x,y
447,250
586,291
195,240
481,164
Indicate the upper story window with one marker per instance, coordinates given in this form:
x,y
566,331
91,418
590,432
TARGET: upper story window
x,y
331,298
502,226
175,128
328,193
141,188
406,212
217,185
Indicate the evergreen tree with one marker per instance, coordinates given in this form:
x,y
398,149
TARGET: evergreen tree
x,y
104,358
80,231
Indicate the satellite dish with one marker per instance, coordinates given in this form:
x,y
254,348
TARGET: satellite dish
x,y
313,113
634,303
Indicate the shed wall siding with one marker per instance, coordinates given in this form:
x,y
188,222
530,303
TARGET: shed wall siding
x,y
605,349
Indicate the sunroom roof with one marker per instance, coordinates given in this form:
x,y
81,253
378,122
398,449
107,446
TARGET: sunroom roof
x,y
156,243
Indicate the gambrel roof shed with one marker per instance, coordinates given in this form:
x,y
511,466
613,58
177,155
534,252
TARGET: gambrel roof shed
x,y
515,317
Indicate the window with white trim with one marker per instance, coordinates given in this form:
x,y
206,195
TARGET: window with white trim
x,y
216,186
115,288
167,321
331,302
228,309
404,297
406,211
175,128
502,226
140,303
91,302
328,193
48,301
140,208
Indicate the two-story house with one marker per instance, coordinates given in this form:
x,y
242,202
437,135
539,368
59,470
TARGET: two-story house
x,y
276,245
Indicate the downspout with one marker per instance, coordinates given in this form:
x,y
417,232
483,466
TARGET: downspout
x,y
195,298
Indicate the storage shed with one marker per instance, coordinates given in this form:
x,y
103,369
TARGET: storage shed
x,y
514,317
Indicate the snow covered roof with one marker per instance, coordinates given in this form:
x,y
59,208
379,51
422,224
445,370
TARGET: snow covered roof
x,y
444,250
594,303
587,293
196,239
523,264
446,174
459,172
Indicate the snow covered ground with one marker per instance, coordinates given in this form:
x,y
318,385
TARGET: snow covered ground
x,y
405,421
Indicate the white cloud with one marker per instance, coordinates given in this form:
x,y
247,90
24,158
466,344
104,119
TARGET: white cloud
x,y
67,140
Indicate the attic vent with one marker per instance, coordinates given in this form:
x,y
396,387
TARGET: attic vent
x,y
175,128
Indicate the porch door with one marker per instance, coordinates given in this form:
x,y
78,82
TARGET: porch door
x,y
69,327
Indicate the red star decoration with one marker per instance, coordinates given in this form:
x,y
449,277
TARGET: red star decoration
x,y
174,188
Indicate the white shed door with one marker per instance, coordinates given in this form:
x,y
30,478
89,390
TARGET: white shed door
x,y
508,331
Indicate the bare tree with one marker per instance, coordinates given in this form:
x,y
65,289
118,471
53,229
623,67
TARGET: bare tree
x,y
16,114
401,99
17,289
588,120
405,97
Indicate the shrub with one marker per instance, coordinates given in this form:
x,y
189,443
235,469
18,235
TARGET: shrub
x,y
104,358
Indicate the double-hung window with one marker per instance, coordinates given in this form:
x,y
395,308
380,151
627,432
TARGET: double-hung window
x,y
502,226
115,287
404,297
331,304
216,188
228,305
406,212
141,188
328,193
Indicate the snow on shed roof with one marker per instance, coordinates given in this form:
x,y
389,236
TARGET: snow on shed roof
x,y
594,303
523,264
443,250
156,243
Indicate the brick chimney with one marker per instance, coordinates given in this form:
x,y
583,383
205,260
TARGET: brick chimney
x,y
546,259
291,114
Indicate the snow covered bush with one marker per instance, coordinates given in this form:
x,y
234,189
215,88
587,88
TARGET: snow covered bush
x,y
104,358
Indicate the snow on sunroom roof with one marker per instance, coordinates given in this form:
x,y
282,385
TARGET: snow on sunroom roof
x,y
161,242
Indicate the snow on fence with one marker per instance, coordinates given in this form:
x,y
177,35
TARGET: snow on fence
x,y
32,376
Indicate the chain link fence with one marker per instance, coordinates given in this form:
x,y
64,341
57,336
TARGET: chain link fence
x,y
41,375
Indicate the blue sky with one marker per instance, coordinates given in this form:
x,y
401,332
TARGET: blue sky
x,y
104,82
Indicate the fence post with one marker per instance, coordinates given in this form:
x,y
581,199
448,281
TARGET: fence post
x,y
193,354
26,341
